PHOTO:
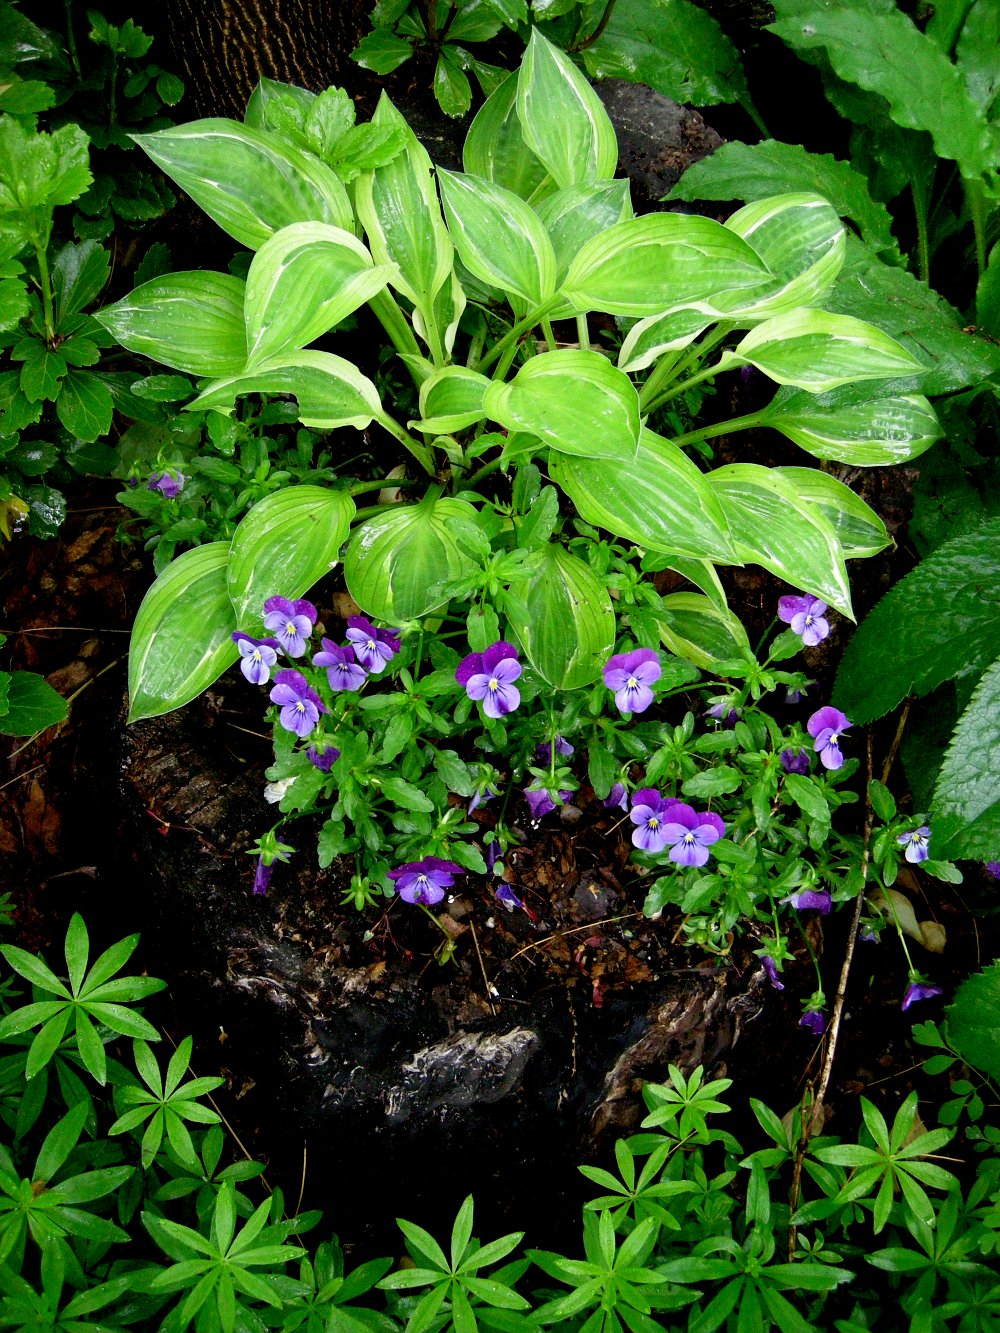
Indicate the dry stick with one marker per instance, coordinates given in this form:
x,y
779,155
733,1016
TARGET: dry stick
x,y
482,968
561,934
813,1117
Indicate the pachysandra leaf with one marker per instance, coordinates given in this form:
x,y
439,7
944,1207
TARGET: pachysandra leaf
x,y
574,400
771,525
302,283
859,529
941,621
848,427
188,321
330,391
659,499
567,628
965,810
499,238
284,544
249,181
563,121
181,637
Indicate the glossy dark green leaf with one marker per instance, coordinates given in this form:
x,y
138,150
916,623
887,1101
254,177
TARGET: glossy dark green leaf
x,y
78,277
965,810
85,406
189,321
974,1021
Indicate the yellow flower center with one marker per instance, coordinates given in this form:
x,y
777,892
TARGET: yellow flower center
x,y
654,823
290,628
494,684
631,683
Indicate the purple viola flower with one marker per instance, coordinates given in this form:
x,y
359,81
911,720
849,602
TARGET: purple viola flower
x,y
493,855
343,672
992,869
490,677
795,760
506,895
796,693
690,835
722,710
826,726
540,802
258,656
814,1020
617,798
918,990
543,752
425,881
374,648
915,843
481,797
650,814
290,622
323,759
169,484
630,676
805,615
771,972
262,877
300,705
815,900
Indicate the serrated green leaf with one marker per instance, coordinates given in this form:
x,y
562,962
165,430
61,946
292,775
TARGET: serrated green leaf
x,y
78,277
754,171
965,808
381,52
974,1021
85,406
451,86
181,637
188,321
942,622
41,371
32,705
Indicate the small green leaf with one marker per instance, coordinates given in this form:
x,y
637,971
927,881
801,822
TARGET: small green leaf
x,y
85,406
974,1021
32,705
381,52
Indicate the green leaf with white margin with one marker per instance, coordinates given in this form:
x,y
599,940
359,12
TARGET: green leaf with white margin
x,y
302,283
646,265
563,616
249,181
495,147
563,121
965,808
772,526
702,573
283,545
941,621
576,215
859,529
499,238
818,351
397,562
974,1021
451,399
330,391
398,207
757,171
574,400
698,630
181,637
31,705
658,499
189,321
849,426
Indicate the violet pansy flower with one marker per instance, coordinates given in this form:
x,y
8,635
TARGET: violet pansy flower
x,y
374,648
918,990
805,615
425,881
290,622
915,843
480,798
489,677
650,814
826,726
617,798
815,900
506,895
300,704
539,801
690,834
343,672
814,1020
794,760
168,484
771,972
257,656
992,869
323,759
543,752
630,675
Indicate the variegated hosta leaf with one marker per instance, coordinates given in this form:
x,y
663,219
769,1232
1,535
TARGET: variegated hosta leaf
x,y
644,266
576,215
563,617
397,563
865,432
773,526
563,121
451,399
658,499
181,637
247,180
801,240
818,351
330,391
499,238
188,321
859,529
495,147
398,207
284,545
699,630
303,282
702,573
574,400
